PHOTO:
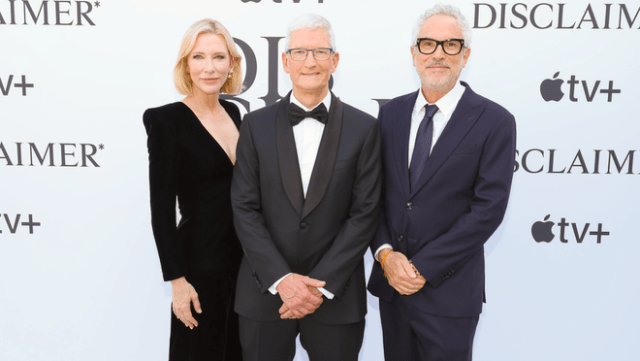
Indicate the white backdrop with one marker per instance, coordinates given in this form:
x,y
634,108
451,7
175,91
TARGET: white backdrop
x,y
80,279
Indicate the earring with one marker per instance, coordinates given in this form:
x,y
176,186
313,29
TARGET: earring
x,y
230,72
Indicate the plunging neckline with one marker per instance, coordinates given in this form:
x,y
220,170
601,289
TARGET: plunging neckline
x,y
207,131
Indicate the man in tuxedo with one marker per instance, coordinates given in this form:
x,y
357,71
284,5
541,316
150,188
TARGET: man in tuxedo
x,y
305,196
448,157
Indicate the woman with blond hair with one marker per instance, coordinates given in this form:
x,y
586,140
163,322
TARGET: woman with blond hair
x,y
192,145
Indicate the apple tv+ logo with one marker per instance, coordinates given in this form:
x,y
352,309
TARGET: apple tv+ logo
x,y
542,231
551,89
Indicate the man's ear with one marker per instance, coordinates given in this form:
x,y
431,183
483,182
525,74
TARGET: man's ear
x,y
285,63
413,54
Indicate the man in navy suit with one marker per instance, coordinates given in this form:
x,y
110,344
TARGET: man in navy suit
x,y
448,156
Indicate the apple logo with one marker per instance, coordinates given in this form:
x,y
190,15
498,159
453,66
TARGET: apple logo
x,y
550,89
541,231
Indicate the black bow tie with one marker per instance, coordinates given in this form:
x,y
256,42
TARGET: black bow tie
x,y
297,114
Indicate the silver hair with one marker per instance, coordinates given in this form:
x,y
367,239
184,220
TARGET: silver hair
x,y
310,21
448,10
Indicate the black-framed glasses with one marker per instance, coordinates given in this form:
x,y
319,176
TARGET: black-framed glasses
x,y
299,54
450,46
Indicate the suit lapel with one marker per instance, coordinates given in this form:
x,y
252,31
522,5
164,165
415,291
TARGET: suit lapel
x,y
401,129
288,156
326,158
463,118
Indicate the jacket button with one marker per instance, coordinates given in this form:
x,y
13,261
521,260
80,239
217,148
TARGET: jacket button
x,y
409,206
303,225
400,238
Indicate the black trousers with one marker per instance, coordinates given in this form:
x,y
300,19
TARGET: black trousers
x,y
410,334
276,341
216,337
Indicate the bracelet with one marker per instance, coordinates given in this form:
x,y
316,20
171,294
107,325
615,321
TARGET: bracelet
x,y
414,269
383,258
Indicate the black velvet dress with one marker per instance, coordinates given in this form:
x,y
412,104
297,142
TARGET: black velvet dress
x,y
186,162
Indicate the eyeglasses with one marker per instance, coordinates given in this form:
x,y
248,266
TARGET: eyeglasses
x,y
299,54
450,46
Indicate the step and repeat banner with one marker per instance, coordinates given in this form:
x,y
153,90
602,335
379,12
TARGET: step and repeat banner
x,y
79,273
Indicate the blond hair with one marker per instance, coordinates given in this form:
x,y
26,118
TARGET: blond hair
x,y
181,77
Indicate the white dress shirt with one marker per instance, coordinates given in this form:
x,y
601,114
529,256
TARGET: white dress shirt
x,y
446,105
308,134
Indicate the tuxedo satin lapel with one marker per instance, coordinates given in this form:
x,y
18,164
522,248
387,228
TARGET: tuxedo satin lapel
x,y
463,118
326,158
401,129
288,156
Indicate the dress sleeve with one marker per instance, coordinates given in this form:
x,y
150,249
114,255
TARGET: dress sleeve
x,y
163,173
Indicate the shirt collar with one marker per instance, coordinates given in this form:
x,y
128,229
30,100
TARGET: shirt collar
x,y
326,101
447,104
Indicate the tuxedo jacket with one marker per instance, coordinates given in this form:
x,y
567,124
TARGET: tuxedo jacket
x,y
442,223
323,236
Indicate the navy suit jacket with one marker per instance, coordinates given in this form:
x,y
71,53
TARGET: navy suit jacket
x,y
460,199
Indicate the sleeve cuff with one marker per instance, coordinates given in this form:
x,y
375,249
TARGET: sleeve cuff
x,y
273,289
384,246
326,293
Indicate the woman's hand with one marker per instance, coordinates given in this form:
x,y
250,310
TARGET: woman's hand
x,y
183,294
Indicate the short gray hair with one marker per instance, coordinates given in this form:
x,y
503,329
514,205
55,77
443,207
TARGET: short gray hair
x,y
310,21
448,10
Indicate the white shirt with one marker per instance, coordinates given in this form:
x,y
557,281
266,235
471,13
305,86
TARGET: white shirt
x,y
308,134
446,105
